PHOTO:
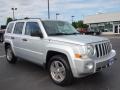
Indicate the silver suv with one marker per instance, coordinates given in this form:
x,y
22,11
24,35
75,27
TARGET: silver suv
x,y
58,47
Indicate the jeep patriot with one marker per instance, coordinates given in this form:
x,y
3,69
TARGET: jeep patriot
x,y
58,47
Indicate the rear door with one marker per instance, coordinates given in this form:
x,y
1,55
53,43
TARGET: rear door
x,y
16,38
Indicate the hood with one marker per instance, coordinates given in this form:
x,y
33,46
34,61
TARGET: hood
x,y
78,39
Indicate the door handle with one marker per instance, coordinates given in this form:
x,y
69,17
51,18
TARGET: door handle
x,y
12,37
24,39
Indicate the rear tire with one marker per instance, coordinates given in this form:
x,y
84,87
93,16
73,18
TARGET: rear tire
x,y
60,71
11,58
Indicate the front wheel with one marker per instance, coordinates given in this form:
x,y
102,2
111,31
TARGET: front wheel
x,y
60,71
10,56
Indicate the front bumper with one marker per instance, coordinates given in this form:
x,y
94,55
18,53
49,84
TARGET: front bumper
x,y
81,66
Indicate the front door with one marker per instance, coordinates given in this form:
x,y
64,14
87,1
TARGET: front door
x,y
33,46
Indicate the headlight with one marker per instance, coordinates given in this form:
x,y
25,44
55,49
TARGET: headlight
x,y
83,51
90,50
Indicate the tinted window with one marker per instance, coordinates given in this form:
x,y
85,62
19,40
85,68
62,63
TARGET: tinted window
x,y
9,29
18,28
32,28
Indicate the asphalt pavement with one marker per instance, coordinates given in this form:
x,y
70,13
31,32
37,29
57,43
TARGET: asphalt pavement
x,y
28,76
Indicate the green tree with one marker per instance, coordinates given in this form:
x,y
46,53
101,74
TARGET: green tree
x,y
74,24
79,24
9,19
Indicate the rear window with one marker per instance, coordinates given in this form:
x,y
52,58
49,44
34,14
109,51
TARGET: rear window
x,y
18,28
10,26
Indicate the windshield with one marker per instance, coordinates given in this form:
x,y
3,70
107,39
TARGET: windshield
x,y
59,28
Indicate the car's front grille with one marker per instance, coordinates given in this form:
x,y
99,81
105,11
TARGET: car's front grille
x,y
103,49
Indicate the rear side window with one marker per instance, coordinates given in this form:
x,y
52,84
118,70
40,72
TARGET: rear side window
x,y
18,28
10,26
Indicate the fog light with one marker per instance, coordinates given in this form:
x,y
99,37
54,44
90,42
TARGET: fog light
x,y
89,66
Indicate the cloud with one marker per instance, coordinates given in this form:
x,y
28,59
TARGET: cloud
x,y
38,8
91,4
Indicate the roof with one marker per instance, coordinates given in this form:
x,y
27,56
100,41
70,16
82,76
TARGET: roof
x,y
102,17
33,19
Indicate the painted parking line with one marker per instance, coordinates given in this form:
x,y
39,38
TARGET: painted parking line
x,y
2,56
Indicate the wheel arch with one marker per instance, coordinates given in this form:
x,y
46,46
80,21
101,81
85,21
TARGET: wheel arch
x,y
51,53
6,44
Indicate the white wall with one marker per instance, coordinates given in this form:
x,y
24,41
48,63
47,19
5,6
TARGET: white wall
x,y
105,17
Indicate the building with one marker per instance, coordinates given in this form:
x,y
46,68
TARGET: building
x,y
105,22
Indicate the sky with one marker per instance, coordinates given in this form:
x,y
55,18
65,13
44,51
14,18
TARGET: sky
x,y
66,8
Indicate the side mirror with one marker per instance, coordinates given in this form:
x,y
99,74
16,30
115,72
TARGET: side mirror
x,y
40,35
37,34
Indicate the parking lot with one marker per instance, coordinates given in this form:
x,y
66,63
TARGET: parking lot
x,y
28,76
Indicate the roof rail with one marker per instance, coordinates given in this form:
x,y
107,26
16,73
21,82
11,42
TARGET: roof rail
x,y
26,19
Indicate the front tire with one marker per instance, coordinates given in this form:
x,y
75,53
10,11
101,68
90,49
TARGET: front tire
x,y
10,55
60,71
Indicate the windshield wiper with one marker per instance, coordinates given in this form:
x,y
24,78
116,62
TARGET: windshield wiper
x,y
64,34
58,34
73,33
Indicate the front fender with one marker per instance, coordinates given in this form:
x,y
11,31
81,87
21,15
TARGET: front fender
x,y
67,50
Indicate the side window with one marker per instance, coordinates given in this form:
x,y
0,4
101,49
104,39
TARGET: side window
x,y
18,28
32,29
9,29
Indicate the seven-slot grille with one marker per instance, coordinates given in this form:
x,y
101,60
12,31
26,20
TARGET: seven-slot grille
x,y
103,49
